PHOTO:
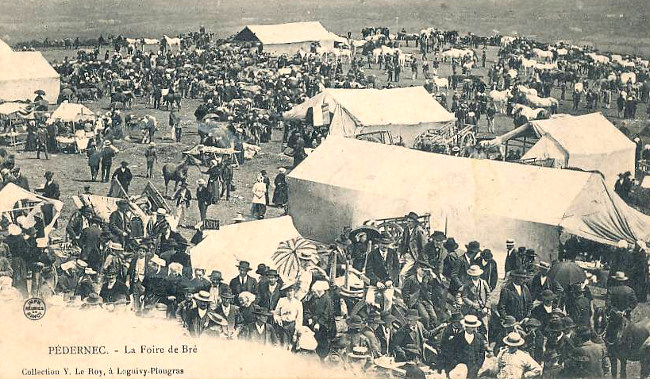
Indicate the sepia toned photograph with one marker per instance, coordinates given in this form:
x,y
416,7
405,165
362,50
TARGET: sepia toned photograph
x,y
439,189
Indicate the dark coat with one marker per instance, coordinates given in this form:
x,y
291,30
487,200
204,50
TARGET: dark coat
x,y
378,270
124,177
268,299
119,224
414,292
490,273
536,288
321,311
472,355
405,336
250,285
197,324
512,304
51,190
267,337
540,314
621,298
234,317
598,364
203,196
579,309
111,295
435,257
456,267
385,343
22,182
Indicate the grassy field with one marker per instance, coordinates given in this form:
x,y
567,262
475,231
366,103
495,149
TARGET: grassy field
x,y
622,26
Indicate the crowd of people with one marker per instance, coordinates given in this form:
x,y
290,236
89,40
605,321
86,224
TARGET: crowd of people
x,y
419,299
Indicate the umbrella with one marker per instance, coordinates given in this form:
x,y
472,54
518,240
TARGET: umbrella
x,y
370,230
39,92
567,273
286,256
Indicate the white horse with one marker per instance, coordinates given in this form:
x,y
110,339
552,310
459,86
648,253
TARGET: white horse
x,y
543,54
500,99
439,82
528,112
171,42
542,102
527,91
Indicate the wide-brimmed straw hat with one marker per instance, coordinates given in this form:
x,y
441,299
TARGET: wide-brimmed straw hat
x,y
202,296
474,270
471,321
513,339
620,276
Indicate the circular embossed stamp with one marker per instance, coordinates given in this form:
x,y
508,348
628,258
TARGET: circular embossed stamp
x,y
34,308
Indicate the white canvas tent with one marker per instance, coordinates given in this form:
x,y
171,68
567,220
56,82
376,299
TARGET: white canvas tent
x,y
588,142
345,182
287,38
71,112
404,112
15,201
22,73
253,241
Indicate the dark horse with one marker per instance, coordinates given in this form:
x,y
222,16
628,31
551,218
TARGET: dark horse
x,y
176,172
625,340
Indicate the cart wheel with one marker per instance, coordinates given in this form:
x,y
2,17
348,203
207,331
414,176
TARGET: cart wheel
x,y
394,229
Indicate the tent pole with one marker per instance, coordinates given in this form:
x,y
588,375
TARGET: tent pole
x,y
506,153
333,259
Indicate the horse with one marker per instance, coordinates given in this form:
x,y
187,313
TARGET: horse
x,y
176,172
170,98
625,340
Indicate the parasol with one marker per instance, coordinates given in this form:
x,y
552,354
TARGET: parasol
x,y
371,231
286,256
567,273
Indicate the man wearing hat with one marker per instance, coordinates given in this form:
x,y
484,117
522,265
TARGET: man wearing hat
x,y
19,179
473,249
382,269
216,285
412,244
620,297
515,363
79,221
51,187
456,266
598,364
385,332
354,335
227,175
87,284
41,142
182,199
123,175
475,294
578,306
113,289
544,310
556,344
198,318
417,291
108,152
411,333
469,347
203,198
119,222
451,330
70,274
513,261
260,331
515,299
268,293
434,251
485,261
288,314
199,282
230,312
151,157
541,282
243,281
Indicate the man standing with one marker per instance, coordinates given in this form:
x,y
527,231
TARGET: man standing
x,y
227,176
230,312
412,245
416,293
260,331
620,297
456,266
469,347
151,157
541,282
511,256
434,251
41,142
175,123
119,222
268,294
475,294
598,364
243,281
123,176
515,299
638,271
94,159
108,152
486,262
203,198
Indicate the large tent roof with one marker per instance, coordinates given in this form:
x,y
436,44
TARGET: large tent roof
x,y
584,134
289,33
395,106
70,112
253,241
25,65
578,201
